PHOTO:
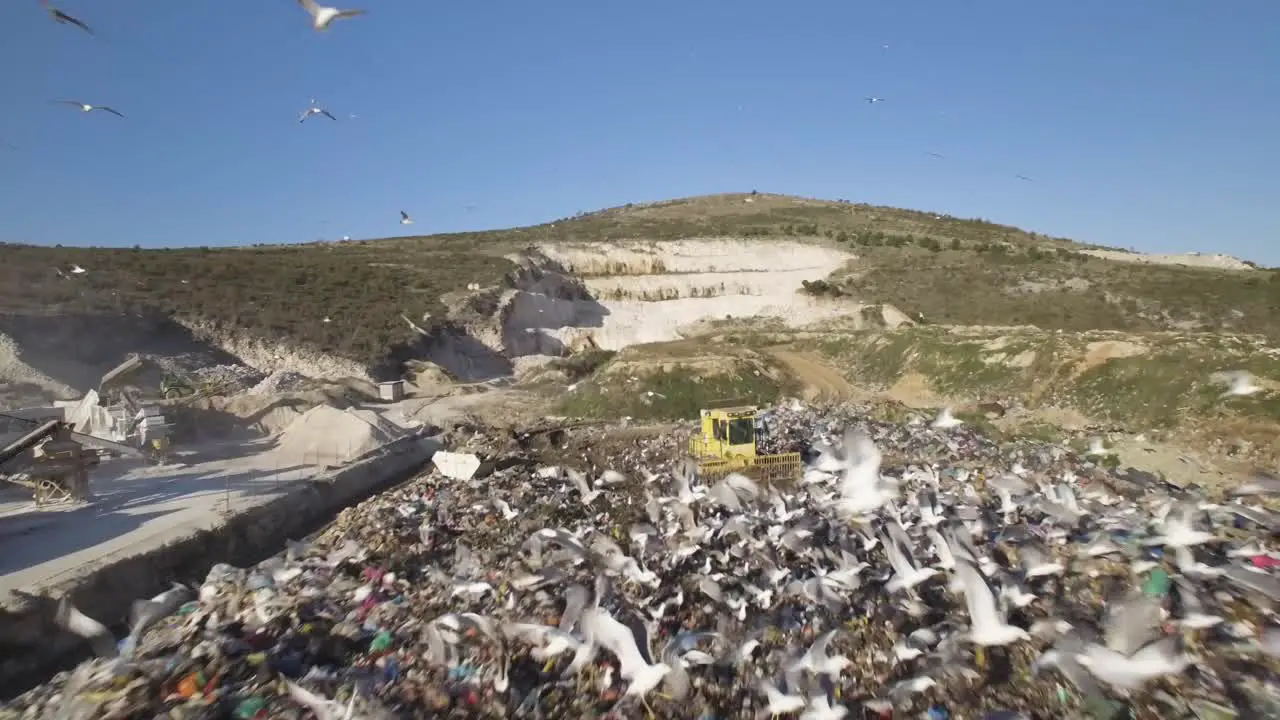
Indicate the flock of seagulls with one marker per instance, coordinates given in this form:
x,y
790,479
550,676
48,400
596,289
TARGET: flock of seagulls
x,y
322,17
676,589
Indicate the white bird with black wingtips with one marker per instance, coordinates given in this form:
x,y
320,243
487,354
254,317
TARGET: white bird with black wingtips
x,y
314,110
405,219
322,15
87,108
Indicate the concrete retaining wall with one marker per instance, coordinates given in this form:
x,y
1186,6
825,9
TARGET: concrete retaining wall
x,y
32,648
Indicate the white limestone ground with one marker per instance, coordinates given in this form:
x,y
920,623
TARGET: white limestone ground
x,y
1194,259
641,292
138,507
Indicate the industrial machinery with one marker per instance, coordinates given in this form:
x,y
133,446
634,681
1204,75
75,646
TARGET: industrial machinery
x,y
59,471
172,388
727,443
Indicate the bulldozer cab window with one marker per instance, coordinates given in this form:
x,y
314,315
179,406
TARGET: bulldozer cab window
x,y
718,429
742,431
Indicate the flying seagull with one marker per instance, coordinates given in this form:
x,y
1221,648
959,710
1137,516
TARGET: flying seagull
x,y
1023,178
314,110
945,420
321,15
77,270
1240,382
405,219
874,100
1098,449
65,19
987,624
86,107
936,156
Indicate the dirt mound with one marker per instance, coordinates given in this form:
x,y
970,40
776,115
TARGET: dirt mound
x,y
325,435
675,380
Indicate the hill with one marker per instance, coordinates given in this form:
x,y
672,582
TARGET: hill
x,y
374,292
787,272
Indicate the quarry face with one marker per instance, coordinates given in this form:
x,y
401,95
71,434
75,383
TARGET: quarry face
x,y
612,295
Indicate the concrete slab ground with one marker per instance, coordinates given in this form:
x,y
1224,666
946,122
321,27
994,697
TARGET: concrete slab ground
x,y
136,507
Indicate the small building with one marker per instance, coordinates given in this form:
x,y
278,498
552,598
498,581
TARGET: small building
x,y
391,391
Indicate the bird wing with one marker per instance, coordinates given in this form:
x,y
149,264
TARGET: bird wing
x,y
323,707
961,544
1131,623
575,602
1032,556
1262,483
63,17
818,650
1187,596
350,13
979,598
326,114
898,557
113,111
579,481
617,639
310,6
70,618
941,547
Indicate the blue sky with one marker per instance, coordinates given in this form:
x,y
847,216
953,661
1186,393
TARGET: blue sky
x,y
1143,123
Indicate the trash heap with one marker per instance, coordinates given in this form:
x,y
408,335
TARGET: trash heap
x,y
594,575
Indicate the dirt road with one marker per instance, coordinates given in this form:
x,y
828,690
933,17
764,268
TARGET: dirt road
x,y
821,381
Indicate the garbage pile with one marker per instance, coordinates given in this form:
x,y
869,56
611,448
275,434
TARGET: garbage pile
x,y
911,572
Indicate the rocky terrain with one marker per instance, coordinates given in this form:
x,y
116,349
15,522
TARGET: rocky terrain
x,y
748,295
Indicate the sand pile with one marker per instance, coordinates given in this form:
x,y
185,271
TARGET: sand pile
x,y
325,435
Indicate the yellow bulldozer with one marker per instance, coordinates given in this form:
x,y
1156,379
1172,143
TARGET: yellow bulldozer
x,y
727,443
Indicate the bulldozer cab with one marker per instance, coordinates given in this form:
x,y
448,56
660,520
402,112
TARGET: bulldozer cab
x,y
727,433
726,442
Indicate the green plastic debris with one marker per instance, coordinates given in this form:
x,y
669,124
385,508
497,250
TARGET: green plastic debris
x,y
381,642
1101,707
1158,583
250,708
